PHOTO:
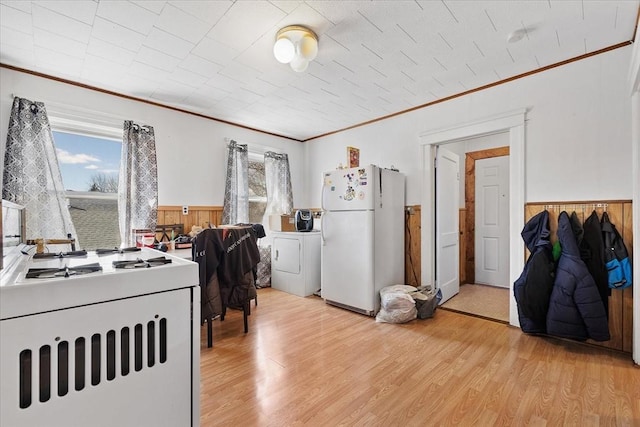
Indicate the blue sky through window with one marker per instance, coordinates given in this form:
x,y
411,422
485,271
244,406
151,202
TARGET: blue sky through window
x,y
80,157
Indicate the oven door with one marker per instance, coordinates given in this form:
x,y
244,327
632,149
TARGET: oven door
x,y
114,363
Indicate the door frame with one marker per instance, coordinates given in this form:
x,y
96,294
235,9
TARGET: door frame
x,y
634,80
470,205
512,122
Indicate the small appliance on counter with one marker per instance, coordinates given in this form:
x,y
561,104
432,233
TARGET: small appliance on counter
x,y
304,220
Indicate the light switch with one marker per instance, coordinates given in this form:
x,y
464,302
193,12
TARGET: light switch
x,y
185,210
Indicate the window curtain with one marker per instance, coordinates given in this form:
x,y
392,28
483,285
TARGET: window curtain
x,y
278,183
138,181
236,191
31,175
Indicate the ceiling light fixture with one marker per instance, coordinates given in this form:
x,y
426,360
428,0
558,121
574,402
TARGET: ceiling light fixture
x,y
297,46
516,36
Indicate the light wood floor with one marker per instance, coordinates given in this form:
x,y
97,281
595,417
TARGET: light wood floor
x,y
307,363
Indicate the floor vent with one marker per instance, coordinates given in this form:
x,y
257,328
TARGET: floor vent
x,y
90,352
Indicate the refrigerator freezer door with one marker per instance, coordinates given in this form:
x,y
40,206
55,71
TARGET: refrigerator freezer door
x,y
349,189
347,259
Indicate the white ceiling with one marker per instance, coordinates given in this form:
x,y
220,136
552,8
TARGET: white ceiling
x,y
376,58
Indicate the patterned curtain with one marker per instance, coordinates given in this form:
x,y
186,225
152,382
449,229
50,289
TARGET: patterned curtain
x,y
138,182
236,191
278,182
31,175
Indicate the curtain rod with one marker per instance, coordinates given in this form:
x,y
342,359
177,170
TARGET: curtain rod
x,y
253,147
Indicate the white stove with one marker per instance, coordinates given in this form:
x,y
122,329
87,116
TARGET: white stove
x,y
116,346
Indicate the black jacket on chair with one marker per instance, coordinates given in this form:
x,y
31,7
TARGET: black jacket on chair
x,y
226,258
576,310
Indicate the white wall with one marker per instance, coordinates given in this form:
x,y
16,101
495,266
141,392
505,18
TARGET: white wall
x,y
191,150
578,132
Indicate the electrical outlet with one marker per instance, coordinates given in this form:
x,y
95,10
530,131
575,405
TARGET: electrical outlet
x,y
185,210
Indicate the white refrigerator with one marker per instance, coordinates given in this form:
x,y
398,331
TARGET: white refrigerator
x,y
362,236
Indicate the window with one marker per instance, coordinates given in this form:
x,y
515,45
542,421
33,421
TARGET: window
x,y
89,166
257,188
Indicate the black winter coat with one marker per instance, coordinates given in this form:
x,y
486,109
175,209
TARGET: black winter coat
x,y
532,290
592,253
576,310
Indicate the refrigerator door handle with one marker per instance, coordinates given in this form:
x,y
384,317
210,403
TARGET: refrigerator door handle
x,y
380,184
322,197
324,221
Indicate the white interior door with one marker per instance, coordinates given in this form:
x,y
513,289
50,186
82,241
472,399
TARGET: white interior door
x,y
492,221
447,227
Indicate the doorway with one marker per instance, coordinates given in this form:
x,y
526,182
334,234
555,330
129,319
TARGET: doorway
x,y
483,212
481,221
513,124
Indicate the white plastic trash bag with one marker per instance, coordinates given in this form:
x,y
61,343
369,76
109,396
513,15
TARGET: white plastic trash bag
x,y
396,305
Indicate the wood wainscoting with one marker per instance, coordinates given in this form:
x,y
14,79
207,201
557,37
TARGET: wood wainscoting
x,y
620,301
412,253
202,216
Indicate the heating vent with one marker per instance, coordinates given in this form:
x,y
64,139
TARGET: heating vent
x,y
90,352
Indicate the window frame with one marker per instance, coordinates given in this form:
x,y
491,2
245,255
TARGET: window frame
x,y
257,157
84,122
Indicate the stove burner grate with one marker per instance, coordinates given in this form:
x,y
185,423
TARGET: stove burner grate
x,y
48,273
117,251
60,254
140,263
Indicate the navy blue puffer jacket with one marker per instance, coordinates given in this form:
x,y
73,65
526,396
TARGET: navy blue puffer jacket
x,y
532,290
576,310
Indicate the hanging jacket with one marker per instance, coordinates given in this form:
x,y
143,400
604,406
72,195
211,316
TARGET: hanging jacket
x,y
592,253
593,262
575,308
206,252
616,257
578,231
226,258
532,290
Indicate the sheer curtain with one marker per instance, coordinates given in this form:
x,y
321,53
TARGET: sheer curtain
x,y
31,175
138,182
236,191
278,183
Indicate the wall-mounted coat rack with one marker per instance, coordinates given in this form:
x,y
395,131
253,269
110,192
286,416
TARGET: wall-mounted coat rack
x,y
621,300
